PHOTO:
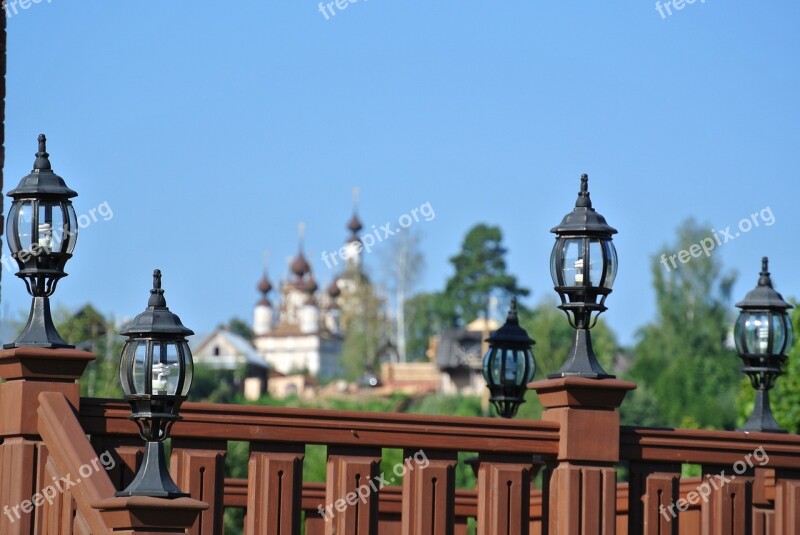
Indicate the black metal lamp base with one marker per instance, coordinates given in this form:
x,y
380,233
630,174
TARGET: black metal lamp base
x,y
153,478
581,361
40,330
761,419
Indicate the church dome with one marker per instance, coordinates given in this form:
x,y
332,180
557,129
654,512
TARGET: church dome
x,y
300,265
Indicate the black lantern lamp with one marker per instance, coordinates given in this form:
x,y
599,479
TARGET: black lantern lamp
x,y
583,265
509,366
156,372
42,232
763,336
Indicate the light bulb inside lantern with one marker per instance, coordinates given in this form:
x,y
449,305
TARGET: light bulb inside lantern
x,y
45,236
763,338
579,271
160,374
511,369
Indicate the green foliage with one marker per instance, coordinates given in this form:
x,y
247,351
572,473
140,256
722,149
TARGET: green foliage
x,y
425,316
785,397
89,330
681,359
364,325
480,273
213,386
240,327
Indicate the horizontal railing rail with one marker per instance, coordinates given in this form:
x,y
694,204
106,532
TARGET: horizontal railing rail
x,y
696,446
335,428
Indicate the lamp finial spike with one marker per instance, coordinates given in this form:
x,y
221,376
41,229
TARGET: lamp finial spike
x,y
583,196
157,294
42,162
764,278
512,314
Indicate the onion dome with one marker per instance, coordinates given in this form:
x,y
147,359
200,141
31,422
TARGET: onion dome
x,y
264,285
333,289
300,265
311,285
354,225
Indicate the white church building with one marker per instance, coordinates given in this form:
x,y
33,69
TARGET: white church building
x,y
302,334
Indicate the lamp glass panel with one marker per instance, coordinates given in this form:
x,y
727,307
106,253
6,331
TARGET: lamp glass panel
x,y
125,364
189,368
527,356
173,365
50,232
72,239
573,270
513,368
140,368
611,269
555,257
787,321
737,334
24,225
778,333
496,364
757,333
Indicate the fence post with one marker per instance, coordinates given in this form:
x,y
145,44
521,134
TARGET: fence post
x,y
582,489
29,371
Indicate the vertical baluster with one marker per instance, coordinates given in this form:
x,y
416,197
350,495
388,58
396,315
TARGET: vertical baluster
x,y
274,489
429,493
787,504
728,510
652,494
352,491
198,467
763,501
504,494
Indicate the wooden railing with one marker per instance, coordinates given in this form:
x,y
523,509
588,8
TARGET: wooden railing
x,y
274,495
750,482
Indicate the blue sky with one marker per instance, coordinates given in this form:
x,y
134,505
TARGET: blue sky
x,y
211,129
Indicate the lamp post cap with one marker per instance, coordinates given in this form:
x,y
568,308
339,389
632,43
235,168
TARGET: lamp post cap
x,y
511,332
42,181
764,295
157,319
583,219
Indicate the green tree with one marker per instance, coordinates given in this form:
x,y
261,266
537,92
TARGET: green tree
x,y
238,326
425,316
91,331
480,273
681,359
364,325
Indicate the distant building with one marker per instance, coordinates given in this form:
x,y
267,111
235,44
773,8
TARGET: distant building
x,y
458,354
224,350
303,333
